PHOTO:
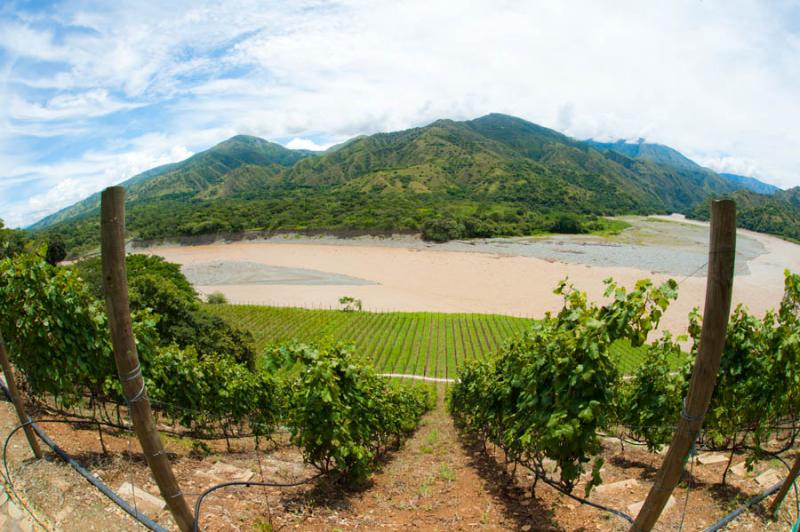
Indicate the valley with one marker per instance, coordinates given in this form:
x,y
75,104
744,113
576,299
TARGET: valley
x,y
503,276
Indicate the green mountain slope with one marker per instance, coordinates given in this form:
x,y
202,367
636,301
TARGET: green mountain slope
x,y
751,183
493,176
200,175
778,213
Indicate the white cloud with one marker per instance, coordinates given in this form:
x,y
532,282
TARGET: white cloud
x,y
63,184
732,165
298,143
716,80
88,104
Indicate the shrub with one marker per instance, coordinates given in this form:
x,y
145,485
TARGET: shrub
x,y
567,224
442,229
216,298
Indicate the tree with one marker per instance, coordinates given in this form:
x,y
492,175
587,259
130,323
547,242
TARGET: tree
x,y
350,304
12,241
442,229
161,287
56,251
216,298
567,224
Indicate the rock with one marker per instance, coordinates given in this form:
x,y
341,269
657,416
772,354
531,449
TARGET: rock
x,y
768,478
633,509
63,513
231,473
740,470
628,483
14,512
272,466
525,528
709,459
63,485
145,501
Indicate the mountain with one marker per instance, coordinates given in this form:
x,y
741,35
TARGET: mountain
x,y
496,175
661,154
656,153
200,175
777,214
751,183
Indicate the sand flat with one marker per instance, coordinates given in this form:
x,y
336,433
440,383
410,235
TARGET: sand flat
x,y
413,276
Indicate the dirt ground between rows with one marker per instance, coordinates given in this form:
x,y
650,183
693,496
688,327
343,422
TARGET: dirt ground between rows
x,y
436,481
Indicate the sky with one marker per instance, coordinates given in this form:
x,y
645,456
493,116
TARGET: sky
x,y
92,93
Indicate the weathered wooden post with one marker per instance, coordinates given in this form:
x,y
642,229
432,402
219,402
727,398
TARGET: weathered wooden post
x,y
719,287
8,371
115,285
793,473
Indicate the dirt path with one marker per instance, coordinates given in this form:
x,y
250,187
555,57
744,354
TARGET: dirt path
x,y
432,484
436,481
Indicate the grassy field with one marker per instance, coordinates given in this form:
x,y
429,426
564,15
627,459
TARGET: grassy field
x,y
418,343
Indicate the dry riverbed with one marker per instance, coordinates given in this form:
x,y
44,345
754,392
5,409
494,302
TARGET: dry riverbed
x,y
508,276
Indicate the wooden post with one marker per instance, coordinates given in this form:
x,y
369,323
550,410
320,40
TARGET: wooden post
x,y
793,473
115,285
8,371
719,286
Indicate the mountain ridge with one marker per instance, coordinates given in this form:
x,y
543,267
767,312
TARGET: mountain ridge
x,y
496,175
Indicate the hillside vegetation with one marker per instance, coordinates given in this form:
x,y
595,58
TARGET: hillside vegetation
x,y
493,176
778,213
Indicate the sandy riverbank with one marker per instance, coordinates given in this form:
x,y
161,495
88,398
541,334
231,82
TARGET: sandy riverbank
x,y
408,275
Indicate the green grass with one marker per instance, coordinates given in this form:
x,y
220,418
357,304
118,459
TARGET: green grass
x,y
628,358
419,343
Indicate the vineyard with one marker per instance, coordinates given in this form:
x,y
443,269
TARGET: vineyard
x,y
414,343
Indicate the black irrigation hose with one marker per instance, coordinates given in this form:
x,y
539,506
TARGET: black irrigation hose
x,y
747,504
618,513
104,489
581,500
209,491
789,470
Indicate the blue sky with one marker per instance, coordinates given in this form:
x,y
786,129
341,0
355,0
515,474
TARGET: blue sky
x,y
92,93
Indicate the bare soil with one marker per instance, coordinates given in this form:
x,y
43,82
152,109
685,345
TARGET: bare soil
x,y
437,481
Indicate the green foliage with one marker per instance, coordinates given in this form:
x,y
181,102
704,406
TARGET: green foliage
x,y
342,414
350,304
216,298
212,392
442,229
547,393
56,250
57,332
136,265
649,404
12,242
567,224
340,411
422,343
757,385
159,286
777,214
